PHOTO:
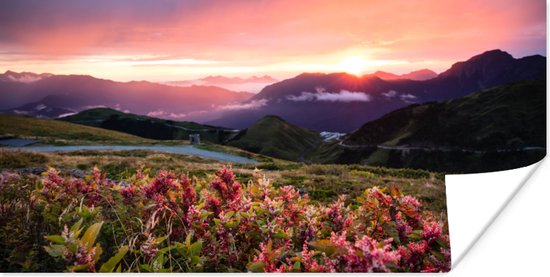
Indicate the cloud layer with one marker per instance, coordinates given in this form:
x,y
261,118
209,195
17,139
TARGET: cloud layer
x,y
405,97
252,105
324,96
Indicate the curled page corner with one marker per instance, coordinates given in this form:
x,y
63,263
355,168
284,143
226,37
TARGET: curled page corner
x,y
474,201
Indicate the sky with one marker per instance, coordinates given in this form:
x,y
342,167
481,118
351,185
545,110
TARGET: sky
x,y
164,40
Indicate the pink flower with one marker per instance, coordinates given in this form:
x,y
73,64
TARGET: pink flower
x,y
432,232
127,192
213,204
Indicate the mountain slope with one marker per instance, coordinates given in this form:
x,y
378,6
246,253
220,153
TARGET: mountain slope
x,y
147,127
341,102
506,117
55,131
272,136
494,129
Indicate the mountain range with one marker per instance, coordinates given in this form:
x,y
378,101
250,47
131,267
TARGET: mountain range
x,y
251,84
417,75
341,102
29,93
483,114
335,102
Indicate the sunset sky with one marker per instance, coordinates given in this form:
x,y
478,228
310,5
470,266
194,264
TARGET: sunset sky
x,y
162,40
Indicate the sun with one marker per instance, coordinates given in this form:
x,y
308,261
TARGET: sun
x,y
353,65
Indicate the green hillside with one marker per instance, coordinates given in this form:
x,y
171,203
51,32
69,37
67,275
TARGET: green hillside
x,y
507,117
59,132
272,136
494,129
147,127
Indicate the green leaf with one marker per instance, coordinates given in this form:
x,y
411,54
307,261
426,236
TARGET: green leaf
x,y
98,252
159,240
56,239
91,234
256,267
297,267
415,235
280,234
324,245
390,228
166,249
196,260
79,267
442,243
188,240
160,262
243,214
181,248
146,267
195,248
77,225
205,215
110,265
229,214
438,255
72,247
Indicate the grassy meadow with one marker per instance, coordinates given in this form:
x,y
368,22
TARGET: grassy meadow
x,y
63,133
322,182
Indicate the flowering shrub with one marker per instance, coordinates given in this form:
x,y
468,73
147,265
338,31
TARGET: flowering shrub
x,y
172,223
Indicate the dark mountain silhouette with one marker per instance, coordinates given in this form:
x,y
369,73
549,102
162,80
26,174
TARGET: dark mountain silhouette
x,y
83,92
50,106
341,102
148,127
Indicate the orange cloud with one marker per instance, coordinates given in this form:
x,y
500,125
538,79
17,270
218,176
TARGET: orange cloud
x,y
271,37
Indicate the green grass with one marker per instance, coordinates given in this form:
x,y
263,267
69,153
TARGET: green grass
x,y
234,151
19,159
58,132
322,182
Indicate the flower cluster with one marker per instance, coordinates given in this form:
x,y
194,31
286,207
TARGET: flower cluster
x,y
172,222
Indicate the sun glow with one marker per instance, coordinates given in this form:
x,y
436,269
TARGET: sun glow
x,y
353,65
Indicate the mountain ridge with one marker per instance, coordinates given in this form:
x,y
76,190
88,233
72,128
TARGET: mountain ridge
x,y
146,126
84,91
305,99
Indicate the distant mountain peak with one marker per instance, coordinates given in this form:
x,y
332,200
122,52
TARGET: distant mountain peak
x,y
272,117
486,64
249,84
417,75
494,52
22,77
